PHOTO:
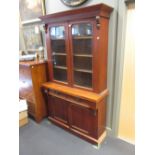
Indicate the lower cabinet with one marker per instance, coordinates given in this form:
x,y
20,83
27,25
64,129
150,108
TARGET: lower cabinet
x,y
80,112
83,121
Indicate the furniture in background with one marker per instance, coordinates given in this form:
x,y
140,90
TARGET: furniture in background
x,y
31,10
23,116
31,76
77,46
31,30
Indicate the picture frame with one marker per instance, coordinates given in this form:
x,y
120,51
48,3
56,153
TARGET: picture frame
x,y
73,3
32,37
30,10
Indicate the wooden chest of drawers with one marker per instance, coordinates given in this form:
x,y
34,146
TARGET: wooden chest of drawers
x,y
31,75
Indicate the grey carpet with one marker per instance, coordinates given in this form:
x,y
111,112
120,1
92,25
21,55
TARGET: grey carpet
x,y
48,139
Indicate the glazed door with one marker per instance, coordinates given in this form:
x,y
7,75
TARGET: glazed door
x,y
82,53
59,52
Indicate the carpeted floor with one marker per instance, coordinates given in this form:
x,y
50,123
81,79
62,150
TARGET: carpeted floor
x,y
48,139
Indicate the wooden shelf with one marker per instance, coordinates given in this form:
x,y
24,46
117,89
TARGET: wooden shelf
x,y
82,37
62,54
83,70
55,39
60,67
83,55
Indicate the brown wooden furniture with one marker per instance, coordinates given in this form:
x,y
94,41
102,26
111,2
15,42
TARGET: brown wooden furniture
x,y
31,75
77,45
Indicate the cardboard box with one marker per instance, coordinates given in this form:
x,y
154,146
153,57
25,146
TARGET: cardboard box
x,y
23,118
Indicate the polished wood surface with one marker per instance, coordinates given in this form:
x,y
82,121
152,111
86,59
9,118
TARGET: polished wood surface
x,y
78,103
84,121
77,115
25,84
78,14
31,75
100,56
90,96
31,63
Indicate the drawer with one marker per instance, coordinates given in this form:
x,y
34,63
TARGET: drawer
x,y
31,108
25,83
73,100
24,73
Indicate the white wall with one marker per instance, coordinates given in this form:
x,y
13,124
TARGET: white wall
x,y
53,6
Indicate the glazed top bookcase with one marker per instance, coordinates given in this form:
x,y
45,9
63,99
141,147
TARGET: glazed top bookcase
x,y
77,44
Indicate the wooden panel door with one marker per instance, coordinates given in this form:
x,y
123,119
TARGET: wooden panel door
x,y
83,120
58,109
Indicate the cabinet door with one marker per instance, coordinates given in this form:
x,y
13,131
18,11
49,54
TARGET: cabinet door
x,y
58,44
83,120
58,109
82,43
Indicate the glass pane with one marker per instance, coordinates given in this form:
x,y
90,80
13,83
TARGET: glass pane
x,y
82,52
83,79
57,32
58,46
83,29
60,74
57,35
59,60
83,63
82,46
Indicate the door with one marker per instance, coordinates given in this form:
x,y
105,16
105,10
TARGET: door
x,y
83,120
81,40
58,109
58,53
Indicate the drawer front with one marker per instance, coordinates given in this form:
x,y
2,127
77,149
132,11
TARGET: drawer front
x,y
25,84
74,100
24,73
31,108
